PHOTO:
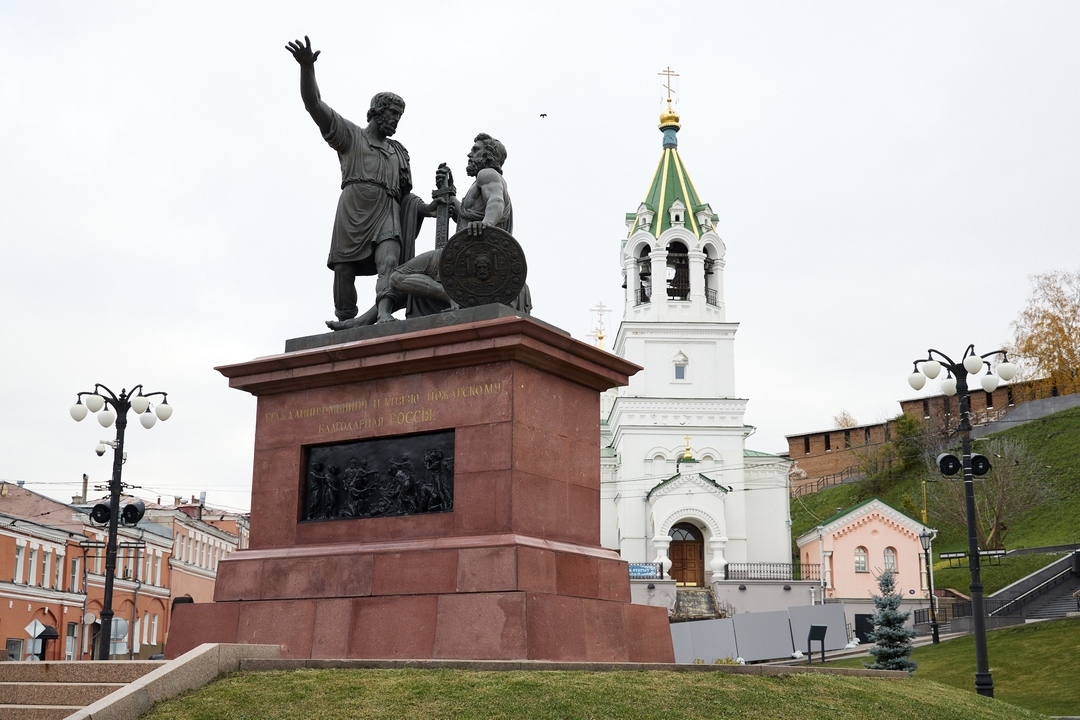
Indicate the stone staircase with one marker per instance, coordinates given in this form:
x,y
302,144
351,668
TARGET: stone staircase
x,y
1056,604
694,603
55,690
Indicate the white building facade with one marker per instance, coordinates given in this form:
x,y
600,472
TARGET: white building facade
x,y
678,485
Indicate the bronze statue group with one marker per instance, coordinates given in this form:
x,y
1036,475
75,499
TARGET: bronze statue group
x,y
379,217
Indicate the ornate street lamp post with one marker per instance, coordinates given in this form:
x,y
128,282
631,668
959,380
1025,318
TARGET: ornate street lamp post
x,y
926,538
956,383
114,408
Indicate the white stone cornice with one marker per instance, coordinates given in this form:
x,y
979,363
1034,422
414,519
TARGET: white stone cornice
x,y
33,593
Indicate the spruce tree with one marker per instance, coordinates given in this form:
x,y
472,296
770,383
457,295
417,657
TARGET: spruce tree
x,y
892,640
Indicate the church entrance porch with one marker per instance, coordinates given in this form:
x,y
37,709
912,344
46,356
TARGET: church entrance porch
x,y
687,553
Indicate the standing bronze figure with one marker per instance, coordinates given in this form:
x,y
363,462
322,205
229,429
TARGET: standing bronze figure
x,y
377,216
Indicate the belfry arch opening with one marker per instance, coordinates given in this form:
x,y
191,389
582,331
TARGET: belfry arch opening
x,y
643,291
678,271
712,276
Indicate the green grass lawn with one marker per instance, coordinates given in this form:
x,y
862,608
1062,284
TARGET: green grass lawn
x,y
1034,666
548,695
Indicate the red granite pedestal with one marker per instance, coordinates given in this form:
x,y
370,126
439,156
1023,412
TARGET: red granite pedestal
x,y
514,571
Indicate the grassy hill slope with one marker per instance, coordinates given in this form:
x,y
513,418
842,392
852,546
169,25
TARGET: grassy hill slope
x,y
535,695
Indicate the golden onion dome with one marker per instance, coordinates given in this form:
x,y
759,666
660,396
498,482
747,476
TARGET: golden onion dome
x,y
669,118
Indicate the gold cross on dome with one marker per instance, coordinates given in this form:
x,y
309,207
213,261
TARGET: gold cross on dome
x,y
669,73
598,334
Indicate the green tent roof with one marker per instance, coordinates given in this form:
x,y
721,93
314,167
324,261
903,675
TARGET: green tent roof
x,y
671,182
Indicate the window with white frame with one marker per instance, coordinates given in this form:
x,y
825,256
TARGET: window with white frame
x,y
20,569
153,629
861,560
45,576
58,572
890,559
32,580
157,570
73,586
681,364
72,641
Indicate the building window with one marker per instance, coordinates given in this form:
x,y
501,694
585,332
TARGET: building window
x,y
888,432
157,571
860,560
847,438
926,409
153,629
32,580
948,412
1009,396
828,442
890,559
680,372
806,445
72,641
58,572
866,436
45,554
989,401
19,569
14,649
73,585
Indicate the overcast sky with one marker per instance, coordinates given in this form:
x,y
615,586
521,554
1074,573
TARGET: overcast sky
x,y
887,176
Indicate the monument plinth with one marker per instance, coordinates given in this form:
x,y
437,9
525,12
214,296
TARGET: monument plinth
x,y
493,555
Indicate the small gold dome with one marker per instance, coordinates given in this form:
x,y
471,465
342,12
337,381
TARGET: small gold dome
x,y
669,118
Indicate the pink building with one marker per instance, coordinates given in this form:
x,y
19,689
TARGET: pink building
x,y
855,546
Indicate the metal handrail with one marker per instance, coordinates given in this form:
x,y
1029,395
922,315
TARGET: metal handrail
x,y
1033,592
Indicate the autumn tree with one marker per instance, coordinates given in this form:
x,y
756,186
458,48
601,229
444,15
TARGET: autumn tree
x,y
844,420
1016,483
883,465
1046,335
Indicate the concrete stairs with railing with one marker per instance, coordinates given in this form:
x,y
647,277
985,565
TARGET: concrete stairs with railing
x,y
55,690
1056,604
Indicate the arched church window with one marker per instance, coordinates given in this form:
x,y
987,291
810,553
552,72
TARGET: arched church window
x,y
685,532
890,559
861,560
678,271
644,289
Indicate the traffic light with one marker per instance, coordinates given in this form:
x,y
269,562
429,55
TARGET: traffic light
x,y
130,514
979,465
950,464
133,512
